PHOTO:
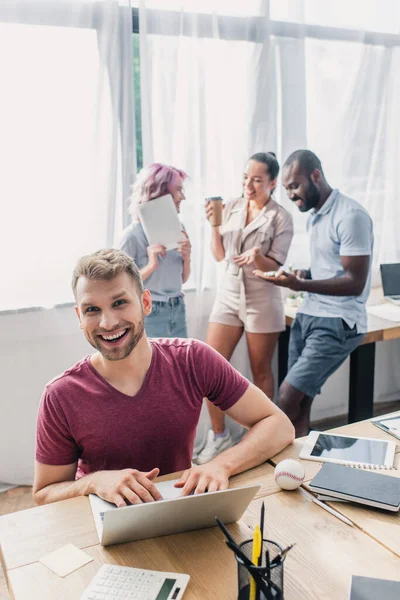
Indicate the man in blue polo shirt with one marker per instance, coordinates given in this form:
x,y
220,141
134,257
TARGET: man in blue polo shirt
x,y
332,320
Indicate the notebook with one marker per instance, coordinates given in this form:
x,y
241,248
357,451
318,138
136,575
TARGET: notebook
x,y
160,222
369,588
390,425
362,487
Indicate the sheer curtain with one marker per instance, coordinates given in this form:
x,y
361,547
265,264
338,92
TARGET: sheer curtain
x,y
221,80
67,145
350,56
208,103
204,106
67,156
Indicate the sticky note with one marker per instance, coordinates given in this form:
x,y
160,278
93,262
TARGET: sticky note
x,y
65,560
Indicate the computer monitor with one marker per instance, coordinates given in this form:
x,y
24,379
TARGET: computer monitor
x,y
390,274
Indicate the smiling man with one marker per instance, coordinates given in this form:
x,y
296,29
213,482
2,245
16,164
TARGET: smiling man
x,y
128,412
332,320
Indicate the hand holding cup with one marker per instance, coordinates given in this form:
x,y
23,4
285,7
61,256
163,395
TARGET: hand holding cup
x,y
214,210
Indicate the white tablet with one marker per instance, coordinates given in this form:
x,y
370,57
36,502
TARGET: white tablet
x,y
346,449
160,222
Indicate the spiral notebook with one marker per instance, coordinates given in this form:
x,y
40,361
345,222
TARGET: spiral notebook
x,y
363,487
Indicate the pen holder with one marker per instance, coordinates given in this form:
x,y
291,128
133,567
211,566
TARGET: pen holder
x,y
272,577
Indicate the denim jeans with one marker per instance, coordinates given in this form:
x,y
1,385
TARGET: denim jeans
x,y
167,319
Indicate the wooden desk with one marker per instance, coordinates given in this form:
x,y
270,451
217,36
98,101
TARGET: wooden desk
x,y
320,566
326,554
362,359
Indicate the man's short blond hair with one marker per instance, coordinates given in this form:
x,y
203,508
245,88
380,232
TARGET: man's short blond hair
x,y
106,264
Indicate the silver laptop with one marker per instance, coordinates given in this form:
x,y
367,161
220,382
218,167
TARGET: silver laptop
x,y
390,274
173,514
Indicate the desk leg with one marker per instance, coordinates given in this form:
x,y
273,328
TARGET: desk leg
x,y
361,392
283,354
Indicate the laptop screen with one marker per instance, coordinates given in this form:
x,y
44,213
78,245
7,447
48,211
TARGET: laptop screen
x,y
390,274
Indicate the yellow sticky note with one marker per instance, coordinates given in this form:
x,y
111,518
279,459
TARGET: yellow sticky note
x,y
65,560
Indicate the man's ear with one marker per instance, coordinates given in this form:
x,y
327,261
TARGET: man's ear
x,y
146,302
316,176
78,314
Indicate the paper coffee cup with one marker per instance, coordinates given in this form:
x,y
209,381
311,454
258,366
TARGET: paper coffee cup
x,y
216,216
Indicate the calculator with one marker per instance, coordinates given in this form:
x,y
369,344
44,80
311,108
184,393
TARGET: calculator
x,y
113,582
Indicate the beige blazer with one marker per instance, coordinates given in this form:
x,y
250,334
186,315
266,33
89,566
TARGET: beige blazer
x,y
252,298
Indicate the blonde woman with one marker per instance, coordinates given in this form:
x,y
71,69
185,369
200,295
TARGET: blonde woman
x,y
256,233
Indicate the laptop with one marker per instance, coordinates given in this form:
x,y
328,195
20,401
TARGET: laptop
x,y
390,274
173,514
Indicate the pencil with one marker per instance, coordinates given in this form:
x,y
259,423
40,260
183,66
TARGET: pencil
x,y
262,532
333,512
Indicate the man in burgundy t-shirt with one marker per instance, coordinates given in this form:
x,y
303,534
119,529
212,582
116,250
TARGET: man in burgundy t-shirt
x,y
118,418
83,418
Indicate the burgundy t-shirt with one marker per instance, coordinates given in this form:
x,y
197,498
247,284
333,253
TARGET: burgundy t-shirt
x,y
83,418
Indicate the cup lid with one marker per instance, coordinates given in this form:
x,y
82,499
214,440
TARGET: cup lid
x,y
214,198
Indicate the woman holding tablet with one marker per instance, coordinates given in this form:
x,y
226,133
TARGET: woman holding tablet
x,y
162,272
256,233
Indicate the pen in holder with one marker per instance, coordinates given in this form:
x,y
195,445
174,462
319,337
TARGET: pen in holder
x,y
267,576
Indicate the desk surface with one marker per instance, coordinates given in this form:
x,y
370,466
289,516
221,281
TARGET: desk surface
x,y
326,554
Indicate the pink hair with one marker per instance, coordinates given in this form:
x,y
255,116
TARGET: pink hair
x,y
152,182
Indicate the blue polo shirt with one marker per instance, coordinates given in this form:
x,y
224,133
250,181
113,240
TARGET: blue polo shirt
x,y
341,227
166,281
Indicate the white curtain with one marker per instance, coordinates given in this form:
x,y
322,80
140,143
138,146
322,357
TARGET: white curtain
x,y
221,80
67,156
204,107
67,145
349,68
208,103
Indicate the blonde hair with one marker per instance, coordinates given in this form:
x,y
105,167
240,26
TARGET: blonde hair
x,y
106,264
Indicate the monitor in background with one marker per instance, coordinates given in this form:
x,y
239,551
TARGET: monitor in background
x,y
390,274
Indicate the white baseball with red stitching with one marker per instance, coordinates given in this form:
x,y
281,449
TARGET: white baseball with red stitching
x,y
289,474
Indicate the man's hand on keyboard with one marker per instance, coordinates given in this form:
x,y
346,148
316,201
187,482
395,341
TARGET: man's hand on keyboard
x,y
128,486
205,478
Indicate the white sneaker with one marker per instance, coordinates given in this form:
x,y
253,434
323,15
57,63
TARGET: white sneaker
x,y
213,447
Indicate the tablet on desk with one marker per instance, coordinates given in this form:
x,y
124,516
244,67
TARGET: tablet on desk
x,y
348,450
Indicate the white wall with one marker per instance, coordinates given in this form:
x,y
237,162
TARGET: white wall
x,y
38,345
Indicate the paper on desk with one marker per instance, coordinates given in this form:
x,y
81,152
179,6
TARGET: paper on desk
x,y
387,311
391,423
65,560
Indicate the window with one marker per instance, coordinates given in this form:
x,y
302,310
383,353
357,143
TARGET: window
x,y
51,170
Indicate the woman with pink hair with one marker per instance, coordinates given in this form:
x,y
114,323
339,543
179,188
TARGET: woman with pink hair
x,y
163,272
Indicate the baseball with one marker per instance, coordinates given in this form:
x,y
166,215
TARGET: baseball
x,y
289,474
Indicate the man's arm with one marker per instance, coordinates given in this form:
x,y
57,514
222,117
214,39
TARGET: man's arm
x,y
54,483
351,283
270,431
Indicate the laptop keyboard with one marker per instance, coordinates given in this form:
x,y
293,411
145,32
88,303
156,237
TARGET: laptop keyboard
x,y
114,583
